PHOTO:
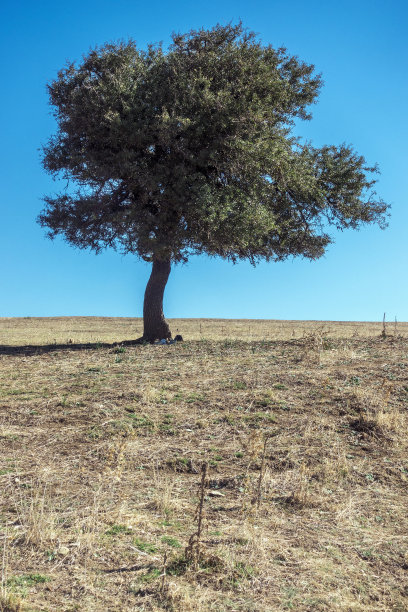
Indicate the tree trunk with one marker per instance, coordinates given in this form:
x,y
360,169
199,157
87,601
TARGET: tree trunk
x,y
155,325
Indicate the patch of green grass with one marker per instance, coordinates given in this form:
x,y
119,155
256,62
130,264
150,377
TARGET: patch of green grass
x,y
183,460
118,529
168,430
95,433
194,397
245,570
367,555
181,464
150,576
239,384
174,524
25,581
290,594
173,542
50,555
144,546
265,401
140,420
119,349
259,417
166,425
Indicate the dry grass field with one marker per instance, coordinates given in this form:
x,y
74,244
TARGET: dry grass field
x,y
257,466
63,330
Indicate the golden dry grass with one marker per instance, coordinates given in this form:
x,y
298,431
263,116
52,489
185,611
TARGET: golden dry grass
x,y
63,330
102,447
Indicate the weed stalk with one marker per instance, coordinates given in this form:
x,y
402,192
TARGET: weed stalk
x,y
164,575
258,493
384,331
193,548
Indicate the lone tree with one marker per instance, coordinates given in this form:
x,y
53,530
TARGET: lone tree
x,y
190,150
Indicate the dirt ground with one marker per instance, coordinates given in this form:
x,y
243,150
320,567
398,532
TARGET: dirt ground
x,y
256,466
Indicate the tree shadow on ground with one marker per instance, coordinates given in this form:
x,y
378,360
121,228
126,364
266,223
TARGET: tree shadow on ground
x,y
39,349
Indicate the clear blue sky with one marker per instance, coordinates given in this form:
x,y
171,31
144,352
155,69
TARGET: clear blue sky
x,y
359,46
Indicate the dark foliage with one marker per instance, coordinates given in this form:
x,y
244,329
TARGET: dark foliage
x,y
190,151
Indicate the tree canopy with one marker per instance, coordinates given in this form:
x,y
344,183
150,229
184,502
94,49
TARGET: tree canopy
x,y
191,150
